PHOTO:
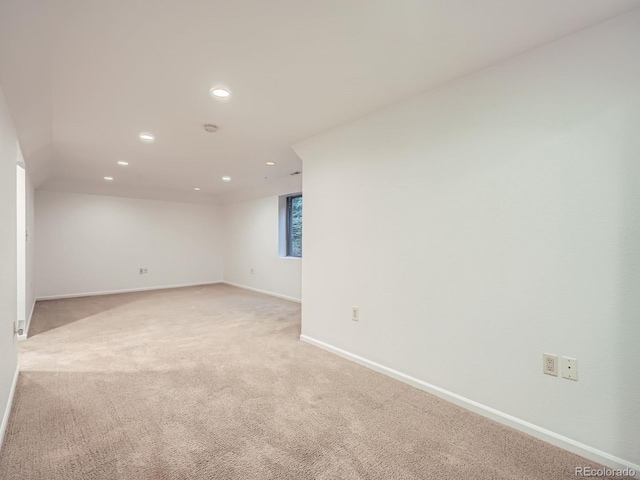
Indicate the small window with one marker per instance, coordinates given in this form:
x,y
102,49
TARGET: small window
x,y
294,226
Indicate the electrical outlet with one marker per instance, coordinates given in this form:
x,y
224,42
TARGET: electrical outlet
x,y
141,271
355,314
550,364
570,368
146,270
253,271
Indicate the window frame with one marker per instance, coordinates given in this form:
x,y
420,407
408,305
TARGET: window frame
x,y
289,221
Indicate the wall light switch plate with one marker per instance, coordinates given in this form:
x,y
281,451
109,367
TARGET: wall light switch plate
x,y
355,314
550,364
570,368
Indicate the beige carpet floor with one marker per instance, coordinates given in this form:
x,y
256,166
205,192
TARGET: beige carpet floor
x,y
213,383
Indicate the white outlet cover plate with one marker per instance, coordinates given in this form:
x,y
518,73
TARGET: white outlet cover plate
x,y
550,364
570,368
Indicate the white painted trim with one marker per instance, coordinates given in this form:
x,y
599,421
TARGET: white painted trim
x,y
7,411
265,292
548,436
33,307
128,290
28,322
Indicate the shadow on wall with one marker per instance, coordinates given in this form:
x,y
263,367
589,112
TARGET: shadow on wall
x,y
628,326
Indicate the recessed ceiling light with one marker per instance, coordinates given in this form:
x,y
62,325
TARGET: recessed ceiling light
x,y
197,189
123,163
108,178
220,92
271,164
146,137
226,178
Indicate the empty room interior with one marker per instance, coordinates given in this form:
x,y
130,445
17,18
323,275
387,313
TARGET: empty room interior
x,y
274,239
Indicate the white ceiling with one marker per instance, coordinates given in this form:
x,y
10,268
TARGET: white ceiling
x,y
83,78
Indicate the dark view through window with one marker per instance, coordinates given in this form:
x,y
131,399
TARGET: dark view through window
x,y
294,226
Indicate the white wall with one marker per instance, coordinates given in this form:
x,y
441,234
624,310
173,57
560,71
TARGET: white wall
x,y
486,222
251,241
30,280
25,238
89,243
8,260
21,229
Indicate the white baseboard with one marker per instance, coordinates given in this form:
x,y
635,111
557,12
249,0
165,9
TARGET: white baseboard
x,y
491,413
128,290
7,411
265,292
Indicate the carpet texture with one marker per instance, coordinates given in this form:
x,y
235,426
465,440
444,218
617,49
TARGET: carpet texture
x,y
213,383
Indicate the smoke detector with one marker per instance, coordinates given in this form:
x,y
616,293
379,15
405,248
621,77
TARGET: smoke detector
x,y
210,128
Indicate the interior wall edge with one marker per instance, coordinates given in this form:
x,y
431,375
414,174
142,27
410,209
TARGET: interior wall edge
x,y
7,411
